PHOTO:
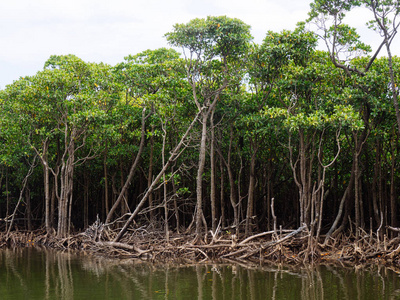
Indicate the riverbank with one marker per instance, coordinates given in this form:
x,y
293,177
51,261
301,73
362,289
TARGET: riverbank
x,y
294,247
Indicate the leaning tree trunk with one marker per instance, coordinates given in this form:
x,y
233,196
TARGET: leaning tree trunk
x,y
174,155
132,170
354,173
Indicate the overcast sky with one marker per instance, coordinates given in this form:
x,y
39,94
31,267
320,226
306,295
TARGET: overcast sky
x,y
106,31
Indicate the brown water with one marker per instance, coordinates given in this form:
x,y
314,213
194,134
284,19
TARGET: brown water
x,y
36,274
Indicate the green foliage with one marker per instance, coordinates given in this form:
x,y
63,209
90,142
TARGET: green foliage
x,y
271,97
385,15
147,72
348,37
276,51
342,115
333,8
212,37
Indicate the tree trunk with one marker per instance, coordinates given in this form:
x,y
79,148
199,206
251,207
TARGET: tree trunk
x,y
393,198
165,183
343,206
66,186
375,183
150,175
356,193
47,217
174,154
213,186
200,171
303,176
176,210
301,180
46,172
86,201
131,171
124,202
21,194
28,208
233,198
52,205
250,202
222,194
106,199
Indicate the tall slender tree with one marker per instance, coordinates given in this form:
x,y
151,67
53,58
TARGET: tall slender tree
x,y
210,46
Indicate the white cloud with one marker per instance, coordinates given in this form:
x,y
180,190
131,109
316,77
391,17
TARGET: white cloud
x,y
105,30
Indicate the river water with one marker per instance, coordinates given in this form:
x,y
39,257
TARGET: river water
x,y
30,273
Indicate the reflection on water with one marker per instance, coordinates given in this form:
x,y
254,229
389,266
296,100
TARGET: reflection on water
x,y
36,274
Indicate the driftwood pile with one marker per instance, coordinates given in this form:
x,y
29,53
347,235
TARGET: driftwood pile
x,y
152,245
288,246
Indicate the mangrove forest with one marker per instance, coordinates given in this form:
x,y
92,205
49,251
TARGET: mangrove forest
x,y
217,147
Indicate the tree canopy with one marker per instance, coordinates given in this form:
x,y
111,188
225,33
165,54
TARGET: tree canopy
x,y
227,132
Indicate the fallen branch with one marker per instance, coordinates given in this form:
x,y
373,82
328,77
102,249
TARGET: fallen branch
x,y
259,235
395,229
272,243
201,251
394,252
234,253
286,237
122,246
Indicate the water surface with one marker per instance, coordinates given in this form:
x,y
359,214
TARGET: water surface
x,y
30,273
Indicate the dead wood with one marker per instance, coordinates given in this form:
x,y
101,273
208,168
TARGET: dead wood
x,y
395,229
273,243
258,235
149,243
122,246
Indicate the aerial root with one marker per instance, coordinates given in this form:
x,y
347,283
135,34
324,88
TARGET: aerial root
x,y
289,246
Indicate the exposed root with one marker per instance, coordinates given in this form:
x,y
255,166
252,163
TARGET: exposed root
x,y
289,246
